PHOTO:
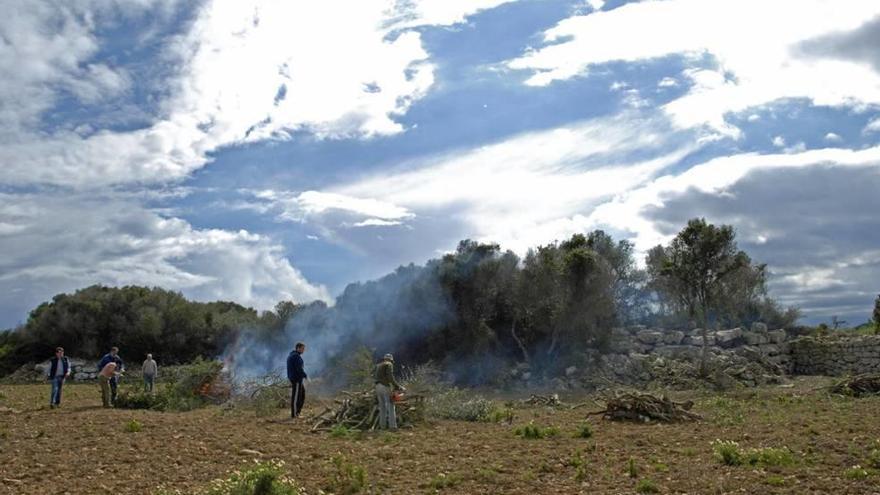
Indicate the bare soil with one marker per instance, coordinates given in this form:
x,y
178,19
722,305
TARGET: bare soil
x,y
84,449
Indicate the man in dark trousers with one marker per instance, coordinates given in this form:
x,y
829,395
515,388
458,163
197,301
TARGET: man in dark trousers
x,y
113,356
296,374
59,370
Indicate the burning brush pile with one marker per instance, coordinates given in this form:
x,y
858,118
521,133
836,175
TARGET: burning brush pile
x,y
186,387
360,411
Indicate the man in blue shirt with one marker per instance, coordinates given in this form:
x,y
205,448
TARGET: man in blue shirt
x,y
296,374
113,356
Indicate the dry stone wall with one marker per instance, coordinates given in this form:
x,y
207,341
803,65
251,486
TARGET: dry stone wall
x,y
835,356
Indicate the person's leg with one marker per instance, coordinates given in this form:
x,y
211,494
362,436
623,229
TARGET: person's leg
x,y
301,399
57,397
113,386
295,401
384,398
152,382
54,382
105,390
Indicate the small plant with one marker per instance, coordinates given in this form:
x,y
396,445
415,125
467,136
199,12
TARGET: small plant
x,y
134,426
264,478
500,415
533,432
727,452
856,472
874,457
585,430
347,478
631,469
660,467
774,480
647,486
487,475
342,431
443,480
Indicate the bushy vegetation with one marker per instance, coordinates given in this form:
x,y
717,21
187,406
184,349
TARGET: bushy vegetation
x,y
187,387
347,478
261,478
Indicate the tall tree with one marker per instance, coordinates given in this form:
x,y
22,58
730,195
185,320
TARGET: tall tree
x,y
877,315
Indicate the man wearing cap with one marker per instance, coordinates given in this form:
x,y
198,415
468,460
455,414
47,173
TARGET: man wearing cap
x,y
113,380
296,374
385,385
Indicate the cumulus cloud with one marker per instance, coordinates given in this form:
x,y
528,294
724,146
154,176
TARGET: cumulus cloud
x,y
755,48
246,71
53,244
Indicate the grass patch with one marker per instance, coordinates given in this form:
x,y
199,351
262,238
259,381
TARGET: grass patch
x,y
134,426
775,480
856,472
730,453
342,431
532,431
647,486
584,430
347,478
443,481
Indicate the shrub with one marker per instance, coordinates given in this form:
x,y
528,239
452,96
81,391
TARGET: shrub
x,y
647,486
534,432
342,431
134,426
729,453
500,415
347,478
585,430
874,458
631,469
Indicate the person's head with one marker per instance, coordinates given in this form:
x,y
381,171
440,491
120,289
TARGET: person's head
x,y
149,356
300,347
388,357
59,351
114,351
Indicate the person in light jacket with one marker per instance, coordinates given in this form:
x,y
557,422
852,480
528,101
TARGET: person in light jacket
x,y
385,385
59,370
149,369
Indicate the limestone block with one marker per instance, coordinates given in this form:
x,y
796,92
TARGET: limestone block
x,y
728,338
759,327
649,337
776,336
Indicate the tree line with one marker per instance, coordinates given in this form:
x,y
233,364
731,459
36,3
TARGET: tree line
x,y
479,305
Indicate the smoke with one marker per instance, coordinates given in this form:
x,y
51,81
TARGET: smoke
x,y
390,314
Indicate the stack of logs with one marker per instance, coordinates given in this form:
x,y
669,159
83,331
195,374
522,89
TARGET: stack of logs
x,y
360,411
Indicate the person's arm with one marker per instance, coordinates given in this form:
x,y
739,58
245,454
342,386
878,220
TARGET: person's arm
x,y
67,363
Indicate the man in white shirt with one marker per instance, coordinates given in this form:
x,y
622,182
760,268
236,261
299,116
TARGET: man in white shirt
x,y
150,368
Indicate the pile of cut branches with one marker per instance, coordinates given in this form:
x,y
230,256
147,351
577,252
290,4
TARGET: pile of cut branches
x,y
645,408
544,400
859,385
360,411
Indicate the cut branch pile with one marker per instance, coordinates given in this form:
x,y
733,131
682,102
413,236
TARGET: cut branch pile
x,y
544,400
645,408
360,411
859,385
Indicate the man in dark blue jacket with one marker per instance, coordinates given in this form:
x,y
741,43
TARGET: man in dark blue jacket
x,y
59,370
296,374
113,356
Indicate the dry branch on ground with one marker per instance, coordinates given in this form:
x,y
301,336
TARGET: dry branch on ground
x,y
645,408
859,385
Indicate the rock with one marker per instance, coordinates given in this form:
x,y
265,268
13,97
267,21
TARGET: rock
x,y
776,336
753,338
728,338
634,329
697,340
571,370
673,338
678,352
650,337
759,327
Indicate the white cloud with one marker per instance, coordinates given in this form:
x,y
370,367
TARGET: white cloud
x,y
309,204
833,137
668,82
247,70
779,142
755,44
516,191
873,126
376,222
53,244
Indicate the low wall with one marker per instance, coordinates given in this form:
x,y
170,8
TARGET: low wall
x,y
835,356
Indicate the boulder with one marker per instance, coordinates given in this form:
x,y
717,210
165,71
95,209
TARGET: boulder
x,y
650,337
776,336
697,340
728,338
673,338
754,338
759,327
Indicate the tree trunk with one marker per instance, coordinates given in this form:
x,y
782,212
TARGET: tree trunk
x,y
522,347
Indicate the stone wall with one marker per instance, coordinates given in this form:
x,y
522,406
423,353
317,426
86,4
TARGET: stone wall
x,y
836,356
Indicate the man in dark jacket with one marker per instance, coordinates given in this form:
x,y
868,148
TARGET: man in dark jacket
x,y
59,370
113,356
296,374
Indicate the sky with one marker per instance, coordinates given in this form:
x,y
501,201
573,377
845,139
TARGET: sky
x,y
259,151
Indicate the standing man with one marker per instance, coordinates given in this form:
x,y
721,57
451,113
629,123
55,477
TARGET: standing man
x,y
296,374
385,385
59,370
113,356
107,373
150,368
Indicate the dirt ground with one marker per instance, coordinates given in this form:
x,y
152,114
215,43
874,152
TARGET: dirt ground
x,y
84,449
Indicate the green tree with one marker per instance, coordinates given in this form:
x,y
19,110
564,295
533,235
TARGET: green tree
x,y
877,315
